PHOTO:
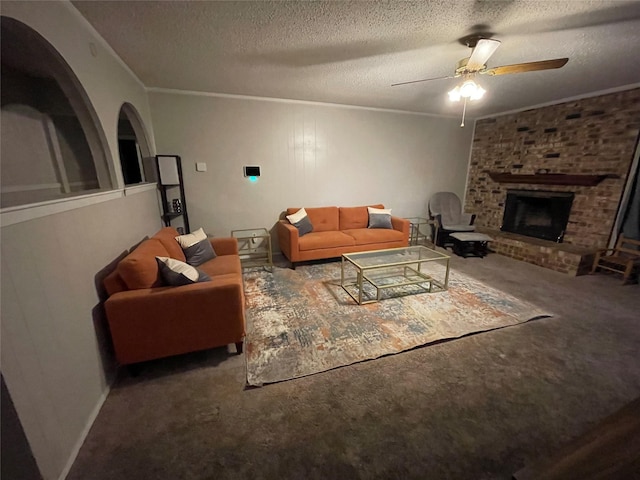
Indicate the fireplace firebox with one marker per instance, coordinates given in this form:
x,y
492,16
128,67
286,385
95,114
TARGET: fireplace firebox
x,y
537,213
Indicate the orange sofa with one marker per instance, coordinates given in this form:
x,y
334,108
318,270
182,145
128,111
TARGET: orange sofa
x,y
338,230
148,320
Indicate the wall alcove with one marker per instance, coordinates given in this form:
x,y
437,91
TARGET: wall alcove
x,y
136,160
52,144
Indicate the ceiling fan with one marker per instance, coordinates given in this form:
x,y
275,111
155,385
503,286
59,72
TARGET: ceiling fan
x,y
482,49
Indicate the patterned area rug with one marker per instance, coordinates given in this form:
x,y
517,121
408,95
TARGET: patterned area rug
x,y
301,322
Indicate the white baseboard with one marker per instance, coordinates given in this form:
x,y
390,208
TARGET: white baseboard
x,y
83,435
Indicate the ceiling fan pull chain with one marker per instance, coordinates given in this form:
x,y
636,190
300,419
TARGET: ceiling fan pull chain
x,y
464,110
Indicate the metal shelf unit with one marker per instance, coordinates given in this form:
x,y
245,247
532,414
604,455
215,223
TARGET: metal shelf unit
x,y
171,186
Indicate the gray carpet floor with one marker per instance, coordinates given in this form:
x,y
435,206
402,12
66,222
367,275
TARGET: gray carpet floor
x,y
479,407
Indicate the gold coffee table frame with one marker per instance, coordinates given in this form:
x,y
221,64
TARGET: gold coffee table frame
x,y
374,267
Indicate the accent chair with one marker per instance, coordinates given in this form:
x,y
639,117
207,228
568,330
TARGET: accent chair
x,y
446,209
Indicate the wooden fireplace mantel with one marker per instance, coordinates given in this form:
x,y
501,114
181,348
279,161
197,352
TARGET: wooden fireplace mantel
x,y
550,178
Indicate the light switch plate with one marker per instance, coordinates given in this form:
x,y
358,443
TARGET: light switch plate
x,y
201,167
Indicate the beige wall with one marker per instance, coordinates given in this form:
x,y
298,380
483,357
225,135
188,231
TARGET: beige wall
x,y
54,357
52,336
310,155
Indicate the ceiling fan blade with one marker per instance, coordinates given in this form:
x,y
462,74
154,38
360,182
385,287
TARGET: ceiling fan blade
x,y
423,80
527,67
481,53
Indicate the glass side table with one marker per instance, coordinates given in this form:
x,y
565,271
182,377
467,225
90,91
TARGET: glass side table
x,y
422,231
254,247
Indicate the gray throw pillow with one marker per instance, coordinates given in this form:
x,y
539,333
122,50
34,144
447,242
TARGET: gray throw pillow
x,y
176,273
200,252
301,221
379,218
304,226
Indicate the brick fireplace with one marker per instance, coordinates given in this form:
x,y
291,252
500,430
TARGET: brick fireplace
x,y
537,213
581,149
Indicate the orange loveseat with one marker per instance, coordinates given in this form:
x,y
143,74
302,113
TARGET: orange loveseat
x,y
149,320
338,230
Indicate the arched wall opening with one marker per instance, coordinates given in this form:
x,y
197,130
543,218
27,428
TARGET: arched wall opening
x,y
136,160
52,145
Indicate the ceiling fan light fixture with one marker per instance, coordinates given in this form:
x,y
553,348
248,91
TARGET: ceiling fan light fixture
x,y
454,95
478,93
467,89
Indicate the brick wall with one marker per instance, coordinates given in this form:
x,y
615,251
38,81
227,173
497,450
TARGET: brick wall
x,y
590,136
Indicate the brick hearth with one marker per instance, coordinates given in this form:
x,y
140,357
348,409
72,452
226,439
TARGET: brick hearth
x,y
592,136
561,257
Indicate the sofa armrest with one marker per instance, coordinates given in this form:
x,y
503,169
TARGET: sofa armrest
x,y
402,225
224,245
288,239
157,322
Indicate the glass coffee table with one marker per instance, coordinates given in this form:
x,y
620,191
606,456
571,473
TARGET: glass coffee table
x,y
375,271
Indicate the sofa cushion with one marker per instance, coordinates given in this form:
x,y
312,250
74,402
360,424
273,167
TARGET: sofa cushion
x,y
323,219
368,236
221,265
177,273
139,269
355,217
168,238
320,240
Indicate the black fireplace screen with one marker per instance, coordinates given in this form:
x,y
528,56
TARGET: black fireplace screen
x,y
537,213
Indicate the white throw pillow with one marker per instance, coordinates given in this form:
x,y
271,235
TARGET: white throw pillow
x,y
189,239
379,211
177,273
296,217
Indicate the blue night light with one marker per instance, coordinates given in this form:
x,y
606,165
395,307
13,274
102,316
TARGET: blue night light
x,y
253,178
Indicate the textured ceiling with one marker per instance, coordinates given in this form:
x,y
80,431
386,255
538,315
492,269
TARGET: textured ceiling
x,y
351,52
